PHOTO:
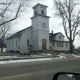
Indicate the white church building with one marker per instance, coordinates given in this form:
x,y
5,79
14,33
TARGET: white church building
x,y
37,34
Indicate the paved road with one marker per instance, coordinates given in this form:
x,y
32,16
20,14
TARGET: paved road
x,y
43,70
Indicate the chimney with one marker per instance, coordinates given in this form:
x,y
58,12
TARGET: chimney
x,y
52,31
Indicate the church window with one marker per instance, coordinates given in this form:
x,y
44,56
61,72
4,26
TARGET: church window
x,y
43,39
66,44
53,44
28,42
12,44
35,12
57,44
59,37
62,44
16,43
42,12
9,44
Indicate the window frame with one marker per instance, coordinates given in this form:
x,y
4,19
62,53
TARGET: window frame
x,y
53,44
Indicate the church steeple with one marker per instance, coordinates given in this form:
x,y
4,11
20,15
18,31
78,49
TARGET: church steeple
x,y
39,9
40,27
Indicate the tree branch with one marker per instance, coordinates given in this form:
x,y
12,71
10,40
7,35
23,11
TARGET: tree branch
x,y
64,26
4,10
77,32
74,6
75,24
16,16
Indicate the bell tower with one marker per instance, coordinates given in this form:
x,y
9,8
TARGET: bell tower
x,y
39,9
40,27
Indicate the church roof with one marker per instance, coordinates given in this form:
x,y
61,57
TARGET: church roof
x,y
40,15
39,4
53,35
19,32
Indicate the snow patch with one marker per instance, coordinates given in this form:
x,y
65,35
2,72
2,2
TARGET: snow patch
x,y
62,57
25,60
63,54
8,57
49,54
78,56
46,54
43,53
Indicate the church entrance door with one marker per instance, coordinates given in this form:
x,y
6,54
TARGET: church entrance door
x,y
43,44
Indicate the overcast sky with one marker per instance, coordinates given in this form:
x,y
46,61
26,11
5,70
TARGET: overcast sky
x,y
54,22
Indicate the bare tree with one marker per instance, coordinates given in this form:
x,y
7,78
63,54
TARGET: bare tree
x,y
10,10
3,31
69,11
